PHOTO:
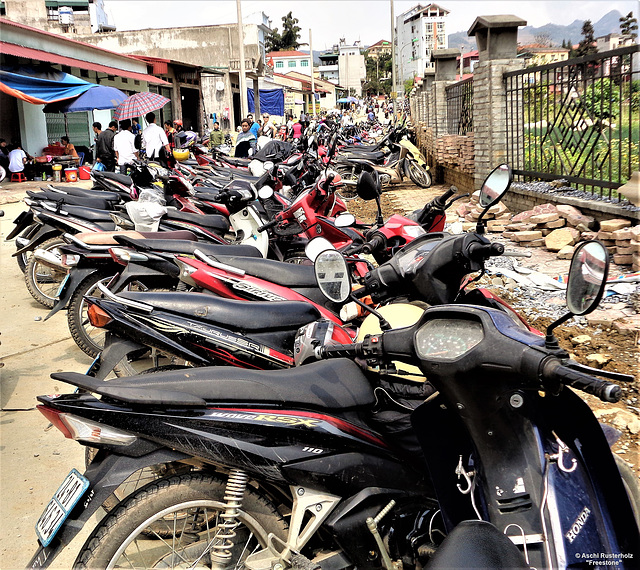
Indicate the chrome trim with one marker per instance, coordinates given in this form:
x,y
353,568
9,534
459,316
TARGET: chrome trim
x,y
134,304
213,263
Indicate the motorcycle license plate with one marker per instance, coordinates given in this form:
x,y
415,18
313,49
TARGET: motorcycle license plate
x,y
64,282
62,503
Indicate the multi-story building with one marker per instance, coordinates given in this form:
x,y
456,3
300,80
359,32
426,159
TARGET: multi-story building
x,y
535,54
293,60
59,16
419,32
613,41
344,65
379,48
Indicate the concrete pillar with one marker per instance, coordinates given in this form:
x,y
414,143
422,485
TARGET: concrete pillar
x,y
496,37
33,127
446,64
256,98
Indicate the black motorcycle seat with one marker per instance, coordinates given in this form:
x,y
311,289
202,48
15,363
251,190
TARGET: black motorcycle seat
x,y
122,178
91,214
236,161
96,203
187,247
328,385
211,221
375,156
286,274
241,315
358,160
103,194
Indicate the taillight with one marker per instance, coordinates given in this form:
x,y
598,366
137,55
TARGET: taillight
x,y
98,317
124,256
81,429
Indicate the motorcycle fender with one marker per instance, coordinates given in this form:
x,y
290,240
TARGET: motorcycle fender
x,y
104,478
23,221
115,349
42,235
76,276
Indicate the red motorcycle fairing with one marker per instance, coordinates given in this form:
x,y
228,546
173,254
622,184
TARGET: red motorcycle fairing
x,y
234,286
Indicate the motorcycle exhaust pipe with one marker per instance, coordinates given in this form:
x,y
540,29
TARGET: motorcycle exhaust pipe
x,y
50,259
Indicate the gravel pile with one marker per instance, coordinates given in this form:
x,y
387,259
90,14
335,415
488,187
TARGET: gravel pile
x,y
547,188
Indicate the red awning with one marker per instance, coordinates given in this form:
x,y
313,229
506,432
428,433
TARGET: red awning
x,y
29,53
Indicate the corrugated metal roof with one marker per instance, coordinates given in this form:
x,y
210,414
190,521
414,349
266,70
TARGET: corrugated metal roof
x,y
39,55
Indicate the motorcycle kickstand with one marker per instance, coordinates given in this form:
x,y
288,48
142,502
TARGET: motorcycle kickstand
x,y
372,524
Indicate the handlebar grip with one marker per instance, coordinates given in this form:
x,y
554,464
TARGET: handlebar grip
x,y
329,180
606,391
268,225
453,190
339,351
480,252
374,244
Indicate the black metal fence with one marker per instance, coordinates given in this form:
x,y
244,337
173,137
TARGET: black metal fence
x,y
577,119
460,107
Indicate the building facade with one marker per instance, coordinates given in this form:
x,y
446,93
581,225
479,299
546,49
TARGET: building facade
x,y
286,61
419,32
379,48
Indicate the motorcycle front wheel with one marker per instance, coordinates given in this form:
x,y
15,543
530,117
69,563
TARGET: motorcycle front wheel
x,y
42,280
417,174
189,508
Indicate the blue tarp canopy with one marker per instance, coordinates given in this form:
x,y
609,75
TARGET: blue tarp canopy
x,y
41,86
98,97
271,101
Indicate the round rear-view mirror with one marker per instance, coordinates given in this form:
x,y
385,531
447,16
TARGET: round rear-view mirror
x,y
587,277
332,276
495,185
345,220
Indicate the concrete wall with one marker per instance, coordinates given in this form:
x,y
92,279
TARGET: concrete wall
x,y
33,127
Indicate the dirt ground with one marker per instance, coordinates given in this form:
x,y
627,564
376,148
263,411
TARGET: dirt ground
x,y
621,350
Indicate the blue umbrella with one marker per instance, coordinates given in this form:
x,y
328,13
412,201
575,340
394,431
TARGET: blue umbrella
x,y
97,97
343,100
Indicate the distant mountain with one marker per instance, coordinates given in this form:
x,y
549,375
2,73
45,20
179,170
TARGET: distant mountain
x,y
609,23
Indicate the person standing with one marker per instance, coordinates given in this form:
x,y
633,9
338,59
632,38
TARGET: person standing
x,y
267,129
154,139
104,147
169,131
216,138
135,127
254,126
245,141
124,146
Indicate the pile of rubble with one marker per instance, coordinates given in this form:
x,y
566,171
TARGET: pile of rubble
x,y
557,228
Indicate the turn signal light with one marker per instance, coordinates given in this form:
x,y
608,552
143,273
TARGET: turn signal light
x,y
98,317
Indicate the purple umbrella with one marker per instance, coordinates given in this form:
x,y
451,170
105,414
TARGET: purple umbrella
x,y
139,104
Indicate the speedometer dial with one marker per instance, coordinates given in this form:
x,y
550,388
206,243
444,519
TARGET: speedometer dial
x,y
447,339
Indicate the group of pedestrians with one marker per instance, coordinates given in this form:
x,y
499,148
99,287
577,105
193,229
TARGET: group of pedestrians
x,y
119,148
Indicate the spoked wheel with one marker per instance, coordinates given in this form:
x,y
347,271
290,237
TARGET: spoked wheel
x,y
90,339
43,281
418,175
189,509
347,191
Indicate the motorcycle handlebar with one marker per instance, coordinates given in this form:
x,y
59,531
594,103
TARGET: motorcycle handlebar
x,y
328,181
340,351
374,244
268,225
480,252
441,200
606,391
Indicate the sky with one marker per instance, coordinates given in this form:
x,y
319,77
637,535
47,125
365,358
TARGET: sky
x,y
364,20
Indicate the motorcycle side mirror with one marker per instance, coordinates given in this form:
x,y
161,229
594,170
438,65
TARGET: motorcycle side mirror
x,y
265,193
316,246
345,220
368,185
332,276
585,284
268,165
495,185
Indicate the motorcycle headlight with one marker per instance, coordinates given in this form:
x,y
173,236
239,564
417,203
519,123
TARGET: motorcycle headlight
x,y
447,339
414,231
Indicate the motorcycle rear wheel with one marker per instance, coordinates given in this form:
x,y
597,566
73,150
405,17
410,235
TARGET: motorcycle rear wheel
x,y
417,174
43,281
189,507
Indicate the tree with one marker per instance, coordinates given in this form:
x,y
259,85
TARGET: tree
x,y
288,39
586,46
544,40
629,25
378,72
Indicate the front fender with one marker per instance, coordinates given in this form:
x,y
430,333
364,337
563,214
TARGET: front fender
x,y
104,478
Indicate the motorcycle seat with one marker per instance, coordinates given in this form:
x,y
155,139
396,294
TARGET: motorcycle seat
x,y
219,224
285,274
86,213
375,156
103,194
328,385
122,178
96,203
186,247
236,161
240,315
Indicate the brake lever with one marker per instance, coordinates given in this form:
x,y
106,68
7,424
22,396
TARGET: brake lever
x,y
618,376
448,204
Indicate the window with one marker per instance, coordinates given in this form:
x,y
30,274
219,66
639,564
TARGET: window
x,y
279,64
292,63
304,63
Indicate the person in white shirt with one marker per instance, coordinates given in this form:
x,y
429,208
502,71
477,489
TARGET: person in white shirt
x,y
17,159
154,139
124,146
